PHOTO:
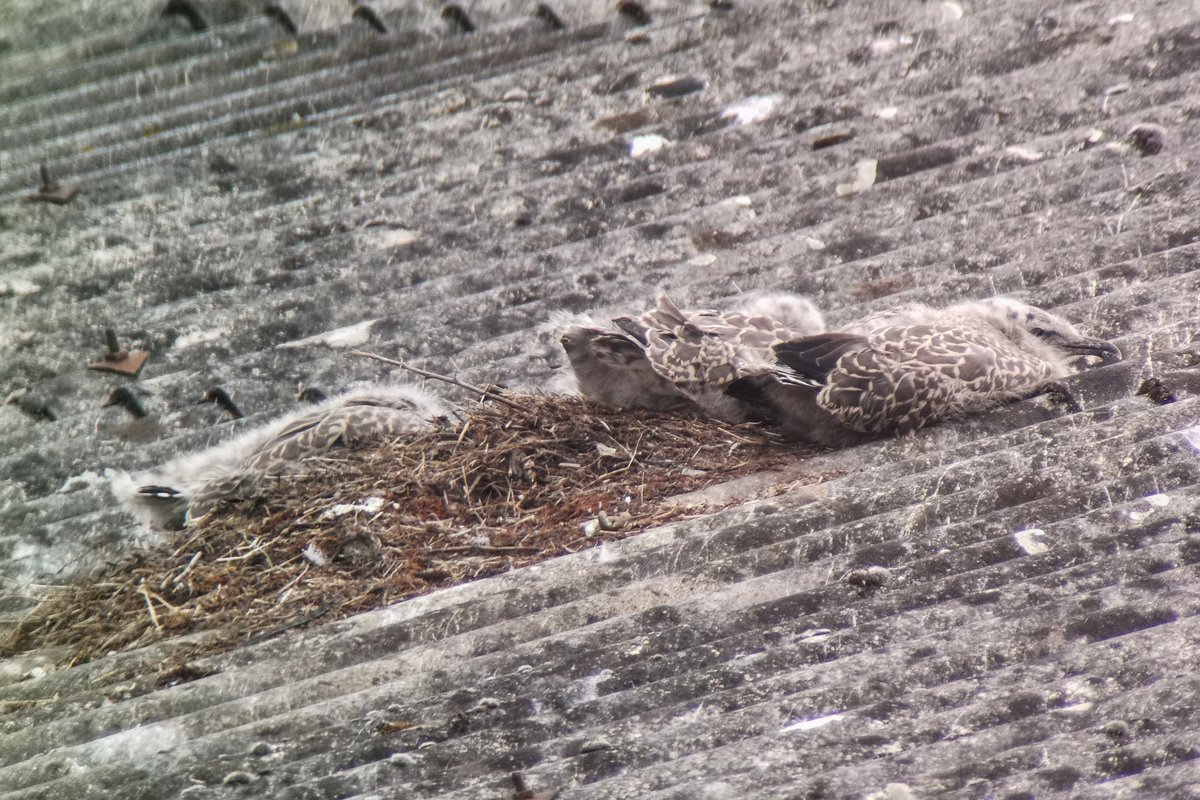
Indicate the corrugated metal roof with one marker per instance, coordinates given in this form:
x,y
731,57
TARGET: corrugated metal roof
x,y
998,608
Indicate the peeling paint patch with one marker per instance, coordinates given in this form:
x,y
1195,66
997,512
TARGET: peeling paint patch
x,y
388,238
1024,153
751,109
951,11
813,724
350,336
1154,501
649,143
200,337
1030,540
18,287
893,791
864,177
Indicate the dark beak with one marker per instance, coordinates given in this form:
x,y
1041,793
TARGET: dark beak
x,y
1093,347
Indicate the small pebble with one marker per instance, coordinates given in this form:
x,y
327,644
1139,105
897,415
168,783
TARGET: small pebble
x,y
237,778
484,704
871,577
1117,729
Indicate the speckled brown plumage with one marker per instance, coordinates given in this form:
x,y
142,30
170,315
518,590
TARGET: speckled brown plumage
x,y
899,373
670,359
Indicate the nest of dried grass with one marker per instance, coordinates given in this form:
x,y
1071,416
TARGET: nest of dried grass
x,y
507,485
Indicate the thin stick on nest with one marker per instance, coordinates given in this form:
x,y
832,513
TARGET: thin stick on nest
x,y
484,392
149,606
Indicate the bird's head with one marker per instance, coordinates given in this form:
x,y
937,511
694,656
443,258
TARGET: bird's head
x,y
1049,329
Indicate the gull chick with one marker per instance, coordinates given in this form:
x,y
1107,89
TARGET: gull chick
x,y
897,372
671,359
188,488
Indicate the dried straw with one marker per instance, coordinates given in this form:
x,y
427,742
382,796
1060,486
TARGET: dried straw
x,y
506,486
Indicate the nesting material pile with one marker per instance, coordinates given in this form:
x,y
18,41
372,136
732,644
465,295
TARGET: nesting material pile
x,y
509,484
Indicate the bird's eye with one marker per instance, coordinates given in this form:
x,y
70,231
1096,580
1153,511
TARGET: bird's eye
x,y
1041,333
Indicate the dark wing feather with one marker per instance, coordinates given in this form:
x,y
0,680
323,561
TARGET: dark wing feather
x,y
812,358
633,328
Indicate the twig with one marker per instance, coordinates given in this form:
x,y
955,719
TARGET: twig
x,y
303,619
479,548
186,572
484,393
149,606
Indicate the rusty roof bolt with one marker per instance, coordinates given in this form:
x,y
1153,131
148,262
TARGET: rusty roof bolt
x,y
115,353
370,16
124,397
50,190
280,15
634,12
122,362
546,14
222,399
186,10
454,13
32,405
521,790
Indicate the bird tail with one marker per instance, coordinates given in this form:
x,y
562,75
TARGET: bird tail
x,y
162,508
791,407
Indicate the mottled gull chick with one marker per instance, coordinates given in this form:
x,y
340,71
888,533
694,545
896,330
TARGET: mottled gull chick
x,y
895,373
671,359
189,487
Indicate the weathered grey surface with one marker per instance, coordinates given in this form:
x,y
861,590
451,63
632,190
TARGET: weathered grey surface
x,y
1032,633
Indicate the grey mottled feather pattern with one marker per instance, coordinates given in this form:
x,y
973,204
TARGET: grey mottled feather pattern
x,y
351,421
894,371
906,377
190,487
704,351
670,359
916,366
